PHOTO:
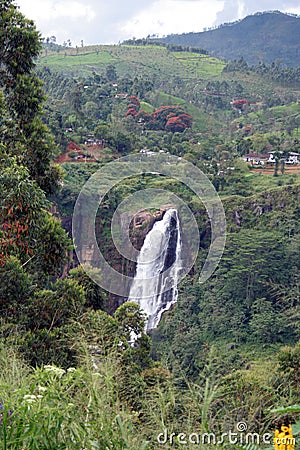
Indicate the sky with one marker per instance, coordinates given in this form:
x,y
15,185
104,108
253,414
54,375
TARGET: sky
x,y
112,21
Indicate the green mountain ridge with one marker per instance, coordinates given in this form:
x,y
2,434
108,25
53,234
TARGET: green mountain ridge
x,y
262,37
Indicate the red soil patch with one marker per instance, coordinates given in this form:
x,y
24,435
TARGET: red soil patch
x,y
79,158
287,170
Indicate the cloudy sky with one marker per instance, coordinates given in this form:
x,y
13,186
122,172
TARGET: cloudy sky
x,y
111,21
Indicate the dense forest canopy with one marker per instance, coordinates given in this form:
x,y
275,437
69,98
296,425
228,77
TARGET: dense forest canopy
x,y
228,352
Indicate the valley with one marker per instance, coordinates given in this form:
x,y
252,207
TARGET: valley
x,y
112,154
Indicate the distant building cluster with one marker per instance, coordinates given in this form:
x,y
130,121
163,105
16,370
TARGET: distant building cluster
x,y
256,159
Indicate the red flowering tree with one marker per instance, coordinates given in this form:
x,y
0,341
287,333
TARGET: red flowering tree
x,y
169,118
133,106
143,116
172,118
178,123
133,100
131,112
239,104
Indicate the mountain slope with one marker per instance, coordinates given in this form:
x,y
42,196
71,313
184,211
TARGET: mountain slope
x,y
261,37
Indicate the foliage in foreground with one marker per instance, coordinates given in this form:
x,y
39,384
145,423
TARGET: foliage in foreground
x,y
84,407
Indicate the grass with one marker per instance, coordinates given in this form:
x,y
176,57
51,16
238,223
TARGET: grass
x,y
81,62
200,65
271,116
63,409
256,183
261,182
279,111
130,59
73,59
147,107
79,408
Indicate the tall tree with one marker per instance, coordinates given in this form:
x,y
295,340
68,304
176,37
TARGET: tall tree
x,y
19,43
23,132
27,230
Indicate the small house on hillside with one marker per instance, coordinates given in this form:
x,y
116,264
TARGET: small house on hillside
x,y
256,159
121,96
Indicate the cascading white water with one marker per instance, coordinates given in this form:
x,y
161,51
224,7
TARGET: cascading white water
x,y
154,286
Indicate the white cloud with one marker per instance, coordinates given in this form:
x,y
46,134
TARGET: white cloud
x,y
292,10
109,21
94,21
173,16
49,10
237,9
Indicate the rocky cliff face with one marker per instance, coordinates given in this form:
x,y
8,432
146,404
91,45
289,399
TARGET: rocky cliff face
x,y
273,208
138,227
268,210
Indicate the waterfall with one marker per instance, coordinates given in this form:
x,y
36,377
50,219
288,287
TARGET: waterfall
x,y
154,286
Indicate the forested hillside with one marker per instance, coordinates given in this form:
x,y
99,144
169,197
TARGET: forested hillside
x,y
263,37
228,352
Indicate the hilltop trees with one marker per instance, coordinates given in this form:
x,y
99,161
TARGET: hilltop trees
x,y
133,106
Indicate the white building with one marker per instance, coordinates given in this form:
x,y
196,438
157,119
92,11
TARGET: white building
x,y
291,158
256,159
